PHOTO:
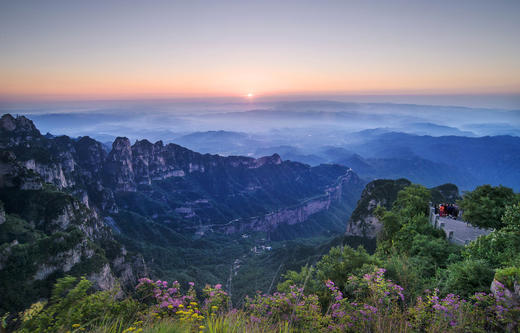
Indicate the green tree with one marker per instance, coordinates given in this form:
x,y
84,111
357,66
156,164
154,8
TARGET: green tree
x,y
501,248
511,218
412,200
73,303
485,206
467,277
337,265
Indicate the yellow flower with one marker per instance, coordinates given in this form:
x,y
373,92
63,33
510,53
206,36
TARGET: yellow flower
x,y
170,306
202,327
181,306
76,325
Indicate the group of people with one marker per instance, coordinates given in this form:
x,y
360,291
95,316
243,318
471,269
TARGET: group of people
x,y
447,210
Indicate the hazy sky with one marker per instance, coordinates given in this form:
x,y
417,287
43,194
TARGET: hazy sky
x,y
98,49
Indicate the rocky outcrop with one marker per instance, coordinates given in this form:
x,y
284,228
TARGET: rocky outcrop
x,y
271,221
57,233
63,261
296,214
119,170
18,129
381,192
511,295
446,193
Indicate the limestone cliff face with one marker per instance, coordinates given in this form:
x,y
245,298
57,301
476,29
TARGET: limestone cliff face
x,y
17,130
128,166
72,165
296,214
381,192
57,232
119,170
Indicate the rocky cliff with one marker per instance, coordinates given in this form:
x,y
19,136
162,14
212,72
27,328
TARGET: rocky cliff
x,y
45,231
381,192
293,215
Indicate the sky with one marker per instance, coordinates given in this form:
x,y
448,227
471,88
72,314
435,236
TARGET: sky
x,y
151,49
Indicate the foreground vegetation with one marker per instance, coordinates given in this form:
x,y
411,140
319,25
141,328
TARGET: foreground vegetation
x,y
416,281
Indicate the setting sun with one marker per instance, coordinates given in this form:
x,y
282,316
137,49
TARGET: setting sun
x,y
249,95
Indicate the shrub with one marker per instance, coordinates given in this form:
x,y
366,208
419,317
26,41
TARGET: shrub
x,y
508,276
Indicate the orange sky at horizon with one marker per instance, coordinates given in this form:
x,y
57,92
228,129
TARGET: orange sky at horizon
x,y
109,49
229,83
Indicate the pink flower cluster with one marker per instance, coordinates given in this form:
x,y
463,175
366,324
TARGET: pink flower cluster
x,y
168,299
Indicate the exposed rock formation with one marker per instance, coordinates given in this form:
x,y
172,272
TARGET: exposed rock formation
x,y
294,215
57,233
381,192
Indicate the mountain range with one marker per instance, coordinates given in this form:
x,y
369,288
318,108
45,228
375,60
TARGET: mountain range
x,y
72,207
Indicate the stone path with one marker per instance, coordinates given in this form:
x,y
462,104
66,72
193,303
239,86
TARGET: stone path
x,y
457,231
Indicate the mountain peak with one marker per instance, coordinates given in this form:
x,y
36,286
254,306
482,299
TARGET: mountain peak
x,y
121,144
19,124
274,159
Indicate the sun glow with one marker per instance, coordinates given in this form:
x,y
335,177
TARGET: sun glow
x,y
249,95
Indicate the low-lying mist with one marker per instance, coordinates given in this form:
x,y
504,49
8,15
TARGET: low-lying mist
x,y
427,144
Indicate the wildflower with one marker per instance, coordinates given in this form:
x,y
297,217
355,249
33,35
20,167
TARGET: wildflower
x,y
76,325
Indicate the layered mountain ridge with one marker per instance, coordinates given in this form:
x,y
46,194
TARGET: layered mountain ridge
x,y
180,182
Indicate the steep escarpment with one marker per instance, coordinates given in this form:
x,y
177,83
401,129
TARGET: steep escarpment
x,y
300,212
381,192
46,233
73,165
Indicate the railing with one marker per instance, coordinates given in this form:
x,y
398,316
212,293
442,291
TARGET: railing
x,y
457,231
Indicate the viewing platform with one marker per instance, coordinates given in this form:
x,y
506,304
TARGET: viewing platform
x,y
457,231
